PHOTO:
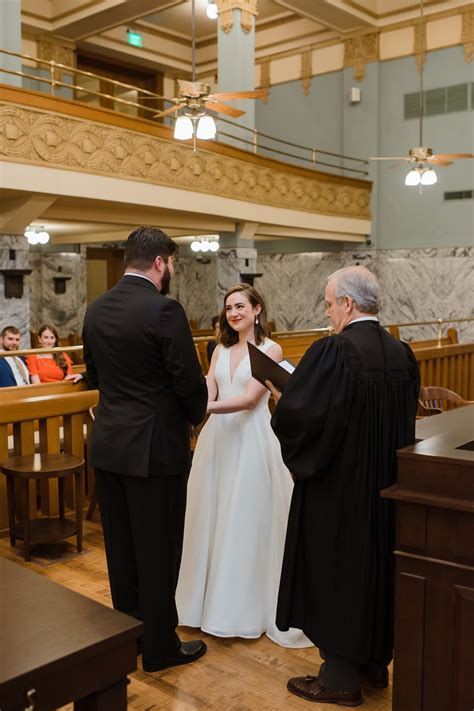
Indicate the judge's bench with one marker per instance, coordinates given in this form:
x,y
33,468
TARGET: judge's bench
x,y
434,589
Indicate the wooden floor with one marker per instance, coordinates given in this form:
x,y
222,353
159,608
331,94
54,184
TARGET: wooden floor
x,y
234,675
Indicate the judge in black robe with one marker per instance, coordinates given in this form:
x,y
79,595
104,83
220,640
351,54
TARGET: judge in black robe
x,y
349,405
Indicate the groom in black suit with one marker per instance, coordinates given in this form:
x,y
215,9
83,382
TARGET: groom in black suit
x,y
140,354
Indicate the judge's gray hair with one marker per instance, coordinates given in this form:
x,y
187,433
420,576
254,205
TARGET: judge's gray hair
x,y
361,285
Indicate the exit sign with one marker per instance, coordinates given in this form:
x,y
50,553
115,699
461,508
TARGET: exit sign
x,y
134,38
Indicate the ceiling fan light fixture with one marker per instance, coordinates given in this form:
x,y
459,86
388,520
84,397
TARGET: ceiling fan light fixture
x,y
206,128
429,177
413,177
211,11
183,128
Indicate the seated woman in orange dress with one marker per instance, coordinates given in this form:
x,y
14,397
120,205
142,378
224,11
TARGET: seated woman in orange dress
x,y
49,367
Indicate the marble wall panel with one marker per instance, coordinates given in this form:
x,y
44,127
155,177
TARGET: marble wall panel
x,y
15,312
194,285
231,265
417,285
64,311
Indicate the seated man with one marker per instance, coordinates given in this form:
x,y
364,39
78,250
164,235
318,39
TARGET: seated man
x,y
13,370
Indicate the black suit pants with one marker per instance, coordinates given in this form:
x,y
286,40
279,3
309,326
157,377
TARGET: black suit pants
x,y
143,522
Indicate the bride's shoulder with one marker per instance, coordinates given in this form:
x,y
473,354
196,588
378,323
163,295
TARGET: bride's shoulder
x,y
267,343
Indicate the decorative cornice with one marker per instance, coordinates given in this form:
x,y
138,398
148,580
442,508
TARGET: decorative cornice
x,y
306,70
248,12
265,79
467,34
360,49
54,140
419,47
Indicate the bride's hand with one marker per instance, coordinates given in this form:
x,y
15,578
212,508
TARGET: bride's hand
x,y
276,394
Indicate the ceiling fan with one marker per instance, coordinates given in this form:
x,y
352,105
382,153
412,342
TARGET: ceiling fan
x,y
195,100
421,157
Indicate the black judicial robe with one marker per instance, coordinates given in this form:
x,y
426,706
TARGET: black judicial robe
x,y
349,405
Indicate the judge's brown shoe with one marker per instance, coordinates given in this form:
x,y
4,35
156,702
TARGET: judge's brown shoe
x,y
309,687
187,653
375,676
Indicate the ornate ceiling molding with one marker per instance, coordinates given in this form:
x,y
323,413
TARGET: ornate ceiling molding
x,y
248,12
467,34
306,71
359,50
54,140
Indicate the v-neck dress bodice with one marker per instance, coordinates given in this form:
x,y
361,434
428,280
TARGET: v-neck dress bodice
x,y
239,494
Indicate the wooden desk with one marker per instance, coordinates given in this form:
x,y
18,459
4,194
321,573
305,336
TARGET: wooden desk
x,y
457,422
434,589
63,645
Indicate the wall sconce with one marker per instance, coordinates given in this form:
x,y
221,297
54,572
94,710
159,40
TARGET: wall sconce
x,y
14,282
60,284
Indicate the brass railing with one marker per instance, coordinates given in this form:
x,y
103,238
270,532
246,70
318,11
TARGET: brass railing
x,y
252,144
439,322
277,334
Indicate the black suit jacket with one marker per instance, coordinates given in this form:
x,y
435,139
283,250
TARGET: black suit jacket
x,y
140,354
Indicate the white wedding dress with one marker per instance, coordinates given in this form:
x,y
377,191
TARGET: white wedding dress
x,y
237,509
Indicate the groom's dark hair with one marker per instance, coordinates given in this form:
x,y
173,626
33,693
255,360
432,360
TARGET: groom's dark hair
x,y
145,244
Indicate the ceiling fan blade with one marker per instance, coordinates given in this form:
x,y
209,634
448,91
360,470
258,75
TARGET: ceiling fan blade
x,y
223,109
166,112
229,95
389,158
438,160
190,88
452,156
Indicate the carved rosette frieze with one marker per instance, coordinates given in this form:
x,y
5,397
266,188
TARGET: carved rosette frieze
x,y
419,47
54,140
248,12
359,50
306,71
265,79
467,34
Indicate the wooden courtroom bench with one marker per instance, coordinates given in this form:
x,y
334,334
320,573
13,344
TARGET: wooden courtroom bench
x,y
295,343
450,338
48,423
450,366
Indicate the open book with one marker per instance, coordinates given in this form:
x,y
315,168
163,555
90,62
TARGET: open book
x,y
265,368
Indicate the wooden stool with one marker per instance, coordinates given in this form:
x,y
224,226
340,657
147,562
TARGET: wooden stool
x,y
43,466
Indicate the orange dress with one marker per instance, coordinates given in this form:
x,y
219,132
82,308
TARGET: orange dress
x,y
47,368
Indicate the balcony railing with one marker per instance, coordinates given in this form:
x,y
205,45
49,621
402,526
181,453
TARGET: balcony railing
x,y
71,83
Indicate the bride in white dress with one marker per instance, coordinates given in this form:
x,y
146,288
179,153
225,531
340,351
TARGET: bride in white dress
x,y
239,492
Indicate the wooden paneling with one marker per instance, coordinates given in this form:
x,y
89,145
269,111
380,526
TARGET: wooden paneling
x,y
57,422
450,366
434,592
410,596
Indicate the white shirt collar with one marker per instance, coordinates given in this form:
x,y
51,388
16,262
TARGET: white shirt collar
x,y
141,276
363,318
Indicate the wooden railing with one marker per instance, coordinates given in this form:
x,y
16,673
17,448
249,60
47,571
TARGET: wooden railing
x,y
53,416
449,367
32,421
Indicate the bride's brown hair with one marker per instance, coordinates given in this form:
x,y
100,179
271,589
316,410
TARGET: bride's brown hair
x,y
261,329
